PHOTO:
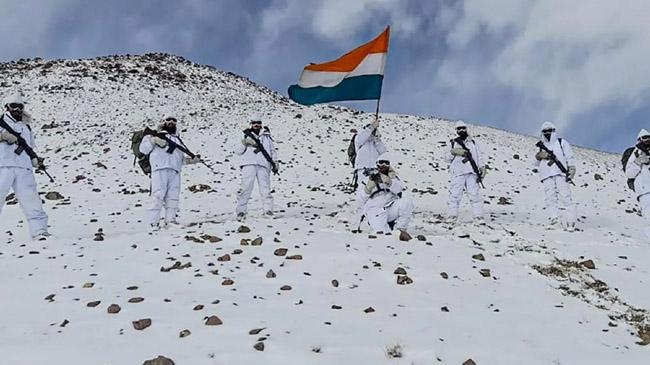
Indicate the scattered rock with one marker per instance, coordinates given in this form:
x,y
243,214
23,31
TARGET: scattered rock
x,y
404,236
160,360
211,239
285,287
259,346
598,177
469,362
141,324
444,275
444,309
280,251
256,331
244,242
113,309
399,271
485,273
88,285
369,310
294,257
257,242
53,195
270,274
421,237
198,307
50,297
93,304
589,264
225,257
184,333
404,280
227,282
504,201
136,300
213,321
335,283
243,229
479,257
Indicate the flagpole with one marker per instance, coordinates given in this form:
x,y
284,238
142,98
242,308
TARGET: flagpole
x,y
377,109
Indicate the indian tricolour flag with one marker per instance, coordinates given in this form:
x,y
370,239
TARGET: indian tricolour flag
x,y
357,75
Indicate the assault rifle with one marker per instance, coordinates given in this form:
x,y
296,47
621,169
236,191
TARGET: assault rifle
x,y
172,145
260,148
469,158
24,147
554,160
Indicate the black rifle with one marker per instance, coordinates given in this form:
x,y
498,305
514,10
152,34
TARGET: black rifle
x,y
554,160
469,158
171,146
24,147
260,148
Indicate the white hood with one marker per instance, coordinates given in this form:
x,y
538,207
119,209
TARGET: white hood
x,y
642,133
547,125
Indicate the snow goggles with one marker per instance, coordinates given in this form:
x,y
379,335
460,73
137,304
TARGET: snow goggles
x,y
16,106
383,162
461,128
256,122
170,120
645,138
548,130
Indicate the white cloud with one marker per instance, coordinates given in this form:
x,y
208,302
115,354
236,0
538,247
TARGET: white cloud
x,y
573,55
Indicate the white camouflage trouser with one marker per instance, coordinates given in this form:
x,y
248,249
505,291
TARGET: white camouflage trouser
x,y
459,184
250,174
400,211
22,182
644,201
557,188
165,191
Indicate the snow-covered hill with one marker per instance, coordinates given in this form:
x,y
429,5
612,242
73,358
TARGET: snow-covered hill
x,y
508,293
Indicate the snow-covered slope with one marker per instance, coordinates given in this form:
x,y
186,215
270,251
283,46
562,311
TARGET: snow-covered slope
x,y
333,297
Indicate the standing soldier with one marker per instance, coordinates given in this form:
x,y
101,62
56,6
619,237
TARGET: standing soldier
x,y
166,164
556,167
258,160
369,147
17,167
383,203
638,168
467,168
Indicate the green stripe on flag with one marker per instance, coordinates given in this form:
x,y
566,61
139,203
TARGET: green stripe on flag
x,y
366,87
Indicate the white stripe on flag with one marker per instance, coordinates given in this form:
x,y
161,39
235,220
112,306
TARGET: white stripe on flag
x,y
372,64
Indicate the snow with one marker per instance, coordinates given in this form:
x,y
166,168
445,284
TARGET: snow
x,y
516,315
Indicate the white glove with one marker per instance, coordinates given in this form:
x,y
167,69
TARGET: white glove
x,y
192,161
542,155
386,179
37,162
572,172
160,142
8,137
370,187
458,151
375,123
642,159
248,142
482,171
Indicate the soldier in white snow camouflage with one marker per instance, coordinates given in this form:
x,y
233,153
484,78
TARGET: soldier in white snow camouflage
x,y
556,182
17,169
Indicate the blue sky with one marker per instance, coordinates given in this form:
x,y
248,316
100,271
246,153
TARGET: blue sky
x,y
511,64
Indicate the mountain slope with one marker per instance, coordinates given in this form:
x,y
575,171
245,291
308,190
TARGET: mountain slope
x,y
536,304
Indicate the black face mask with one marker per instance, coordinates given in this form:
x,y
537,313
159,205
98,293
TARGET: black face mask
x,y
17,114
169,128
462,134
548,136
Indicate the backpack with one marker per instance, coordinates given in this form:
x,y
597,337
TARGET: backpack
x,y
352,150
141,158
626,156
